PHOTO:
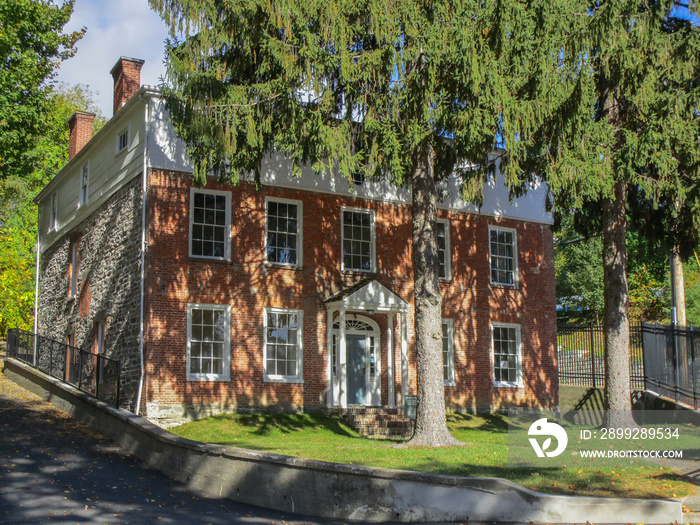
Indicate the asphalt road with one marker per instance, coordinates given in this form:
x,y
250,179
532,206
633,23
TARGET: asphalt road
x,y
54,469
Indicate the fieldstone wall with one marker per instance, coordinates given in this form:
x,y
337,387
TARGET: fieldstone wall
x,y
108,285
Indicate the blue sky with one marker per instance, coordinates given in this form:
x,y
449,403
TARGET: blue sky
x,y
114,28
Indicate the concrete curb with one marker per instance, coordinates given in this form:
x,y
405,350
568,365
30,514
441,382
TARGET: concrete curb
x,y
333,490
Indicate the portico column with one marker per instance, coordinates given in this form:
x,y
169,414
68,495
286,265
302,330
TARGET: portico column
x,y
390,358
329,358
404,357
342,358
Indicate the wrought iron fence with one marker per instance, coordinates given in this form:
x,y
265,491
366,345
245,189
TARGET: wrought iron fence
x,y
672,367
581,353
92,373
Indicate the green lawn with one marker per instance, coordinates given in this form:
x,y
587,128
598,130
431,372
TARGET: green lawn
x,y
326,438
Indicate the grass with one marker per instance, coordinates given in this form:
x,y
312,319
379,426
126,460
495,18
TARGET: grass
x,y
325,438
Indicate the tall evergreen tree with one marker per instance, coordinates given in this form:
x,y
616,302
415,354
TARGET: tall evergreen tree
x,y
406,89
614,109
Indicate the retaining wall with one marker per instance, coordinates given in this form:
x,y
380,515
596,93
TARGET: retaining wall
x,y
333,490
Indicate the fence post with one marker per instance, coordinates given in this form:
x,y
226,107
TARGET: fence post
x,y
119,376
593,354
97,378
692,366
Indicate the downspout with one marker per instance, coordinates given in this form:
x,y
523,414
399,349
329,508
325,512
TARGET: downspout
x,y
36,286
143,251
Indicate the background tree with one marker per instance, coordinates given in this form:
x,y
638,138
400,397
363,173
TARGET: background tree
x,y
18,214
609,117
32,47
345,86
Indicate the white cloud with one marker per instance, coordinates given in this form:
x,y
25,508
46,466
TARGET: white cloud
x,y
115,28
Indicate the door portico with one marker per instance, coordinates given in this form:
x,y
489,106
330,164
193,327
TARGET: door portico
x,y
354,364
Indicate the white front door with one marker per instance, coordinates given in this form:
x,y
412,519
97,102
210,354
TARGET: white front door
x,y
363,378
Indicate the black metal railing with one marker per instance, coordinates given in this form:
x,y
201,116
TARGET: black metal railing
x,y
92,373
672,366
581,354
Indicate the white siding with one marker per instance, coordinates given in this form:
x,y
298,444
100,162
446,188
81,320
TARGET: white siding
x,y
109,171
168,152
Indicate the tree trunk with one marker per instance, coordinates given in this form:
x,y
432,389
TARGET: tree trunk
x,y
618,396
678,302
431,424
678,286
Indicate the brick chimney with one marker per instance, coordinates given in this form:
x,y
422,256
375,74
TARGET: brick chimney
x,y
80,126
127,80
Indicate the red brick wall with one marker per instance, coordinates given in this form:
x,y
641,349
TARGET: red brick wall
x,y
173,280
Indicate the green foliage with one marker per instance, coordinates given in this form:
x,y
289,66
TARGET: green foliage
x,y
32,47
579,273
343,84
18,214
692,289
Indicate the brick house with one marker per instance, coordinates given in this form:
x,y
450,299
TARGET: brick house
x,y
297,296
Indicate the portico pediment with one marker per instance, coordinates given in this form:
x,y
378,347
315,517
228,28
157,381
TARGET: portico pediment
x,y
367,295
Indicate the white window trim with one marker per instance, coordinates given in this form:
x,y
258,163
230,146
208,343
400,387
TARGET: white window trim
x,y
227,234
226,376
53,212
515,256
448,251
299,378
519,344
373,240
84,199
450,381
300,232
121,132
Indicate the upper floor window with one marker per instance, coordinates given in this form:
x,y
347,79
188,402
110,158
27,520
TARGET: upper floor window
x,y
53,212
84,183
444,253
503,256
283,232
448,352
507,360
122,140
358,240
210,224
208,342
282,350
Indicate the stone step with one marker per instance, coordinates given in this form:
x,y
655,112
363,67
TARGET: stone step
x,y
378,422
691,517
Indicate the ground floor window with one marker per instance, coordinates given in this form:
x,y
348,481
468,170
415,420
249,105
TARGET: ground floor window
x,y
208,342
448,352
507,360
282,350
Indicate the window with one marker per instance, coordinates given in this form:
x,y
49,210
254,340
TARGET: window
x,y
84,177
210,219
448,352
283,229
506,355
282,353
358,240
444,254
122,140
502,252
73,269
208,342
53,212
